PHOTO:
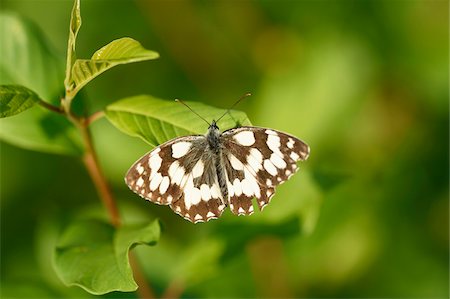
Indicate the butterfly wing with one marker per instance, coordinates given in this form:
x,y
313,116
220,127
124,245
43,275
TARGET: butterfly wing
x,y
256,160
179,173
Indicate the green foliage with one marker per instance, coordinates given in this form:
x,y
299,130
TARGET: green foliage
x,y
156,121
15,99
121,51
93,254
36,67
366,216
27,58
43,131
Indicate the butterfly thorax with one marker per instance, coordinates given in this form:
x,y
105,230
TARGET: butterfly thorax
x,y
213,138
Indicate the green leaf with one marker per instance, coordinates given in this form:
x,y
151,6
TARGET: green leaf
x,y
156,121
92,254
120,51
75,24
27,59
15,99
43,131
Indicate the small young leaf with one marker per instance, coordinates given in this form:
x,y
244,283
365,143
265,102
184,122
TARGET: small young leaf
x,y
120,51
15,99
156,121
75,24
92,254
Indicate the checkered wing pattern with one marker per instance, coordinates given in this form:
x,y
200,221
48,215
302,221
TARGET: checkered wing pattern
x,y
179,173
256,160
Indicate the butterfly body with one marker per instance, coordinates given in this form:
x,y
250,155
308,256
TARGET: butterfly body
x,y
199,175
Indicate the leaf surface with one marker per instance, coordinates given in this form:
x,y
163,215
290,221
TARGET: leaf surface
x,y
28,60
120,51
92,254
156,121
15,99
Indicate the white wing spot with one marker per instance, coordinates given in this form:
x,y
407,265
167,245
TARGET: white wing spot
x,y
180,149
178,209
237,188
254,159
140,168
155,181
250,209
247,187
206,194
269,182
197,171
230,189
215,191
270,167
164,185
288,172
235,163
241,211
198,217
294,156
252,183
169,198
277,161
290,143
155,162
140,182
210,215
245,138
192,196
273,142
178,176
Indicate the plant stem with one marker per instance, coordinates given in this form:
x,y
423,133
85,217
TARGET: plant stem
x,y
91,163
51,107
93,117
144,290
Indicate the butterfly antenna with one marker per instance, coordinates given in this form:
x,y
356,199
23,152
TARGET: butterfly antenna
x,y
181,102
235,104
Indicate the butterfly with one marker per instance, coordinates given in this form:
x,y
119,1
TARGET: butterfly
x,y
198,176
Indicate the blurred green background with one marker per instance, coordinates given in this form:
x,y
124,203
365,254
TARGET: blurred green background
x,y
364,83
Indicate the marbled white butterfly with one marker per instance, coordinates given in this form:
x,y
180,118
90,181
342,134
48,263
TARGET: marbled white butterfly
x,y
199,175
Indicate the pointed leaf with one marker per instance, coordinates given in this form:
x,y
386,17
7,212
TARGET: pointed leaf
x,y
15,99
75,24
120,51
92,254
156,121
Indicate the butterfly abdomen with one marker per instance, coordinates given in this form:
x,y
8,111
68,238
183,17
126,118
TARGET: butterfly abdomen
x,y
221,178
